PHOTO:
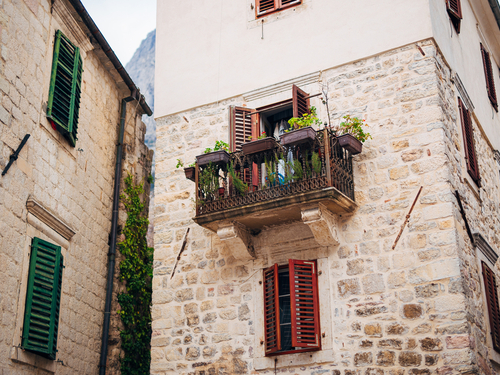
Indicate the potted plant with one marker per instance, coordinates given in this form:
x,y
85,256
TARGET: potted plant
x,y
189,171
261,143
301,130
208,181
218,155
352,134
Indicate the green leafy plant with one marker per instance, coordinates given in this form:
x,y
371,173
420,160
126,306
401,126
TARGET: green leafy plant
x,y
298,171
354,126
316,163
271,170
261,136
151,179
307,119
179,164
238,184
136,270
219,145
208,180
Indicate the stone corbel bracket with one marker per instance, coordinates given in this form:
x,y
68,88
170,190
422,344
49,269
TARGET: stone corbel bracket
x,y
40,212
238,239
323,225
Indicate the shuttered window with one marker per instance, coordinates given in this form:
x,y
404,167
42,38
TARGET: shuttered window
x,y
43,296
240,127
490,80
493,307
63,105
470,150
291,307
264,7
300,102
454,9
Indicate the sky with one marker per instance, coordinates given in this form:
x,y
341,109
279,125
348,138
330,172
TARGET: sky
x,y
124,23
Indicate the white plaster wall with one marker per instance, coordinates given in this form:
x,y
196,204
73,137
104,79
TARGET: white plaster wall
x,y
210,50
463,54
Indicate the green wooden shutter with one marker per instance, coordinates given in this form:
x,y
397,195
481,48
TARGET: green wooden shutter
x,y
43,296
65,88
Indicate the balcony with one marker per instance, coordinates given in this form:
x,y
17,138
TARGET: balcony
x,y
241,193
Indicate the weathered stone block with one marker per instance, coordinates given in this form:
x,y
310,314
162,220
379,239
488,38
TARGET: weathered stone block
x,y
348,287
373,283
386,358
412,311
373,329
430,344
363,359
407,359
427,291
355,267
438,270
397,329
457,342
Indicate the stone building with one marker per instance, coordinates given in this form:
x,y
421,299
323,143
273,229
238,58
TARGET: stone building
x,y
61,84
318,250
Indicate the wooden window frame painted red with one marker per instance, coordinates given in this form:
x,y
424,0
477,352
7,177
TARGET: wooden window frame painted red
x,y
489,276
277,8
455,16
276,353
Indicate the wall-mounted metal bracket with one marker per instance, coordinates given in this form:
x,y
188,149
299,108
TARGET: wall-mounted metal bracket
x,y
14,156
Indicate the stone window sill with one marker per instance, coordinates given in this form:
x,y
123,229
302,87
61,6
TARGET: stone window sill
x,y
28,358
295,359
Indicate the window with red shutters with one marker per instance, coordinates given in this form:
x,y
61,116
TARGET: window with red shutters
x,y
240,127
264,7
291,308
300,102
454,9
470,150
491,292
490,80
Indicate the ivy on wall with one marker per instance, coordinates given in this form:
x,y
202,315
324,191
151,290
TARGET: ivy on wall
x,y
136,269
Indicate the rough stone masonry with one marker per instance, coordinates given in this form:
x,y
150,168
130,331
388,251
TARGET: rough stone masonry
x,y
415,310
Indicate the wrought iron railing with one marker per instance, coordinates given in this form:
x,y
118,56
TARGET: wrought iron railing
x,y
278,172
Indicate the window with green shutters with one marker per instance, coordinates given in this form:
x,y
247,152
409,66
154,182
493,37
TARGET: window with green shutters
x,y
63,105
43,296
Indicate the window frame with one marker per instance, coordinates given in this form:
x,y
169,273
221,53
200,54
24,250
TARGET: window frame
x,y
60,86
489,77
278,6
315,286
469,144
455,13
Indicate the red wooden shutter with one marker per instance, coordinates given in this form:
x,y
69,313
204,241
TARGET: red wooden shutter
x,y
304,304
490,80
266,6
492,302
470,150
300,102
454,9
240,126
271,310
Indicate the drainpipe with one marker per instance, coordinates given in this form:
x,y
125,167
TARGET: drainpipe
x,y
112,245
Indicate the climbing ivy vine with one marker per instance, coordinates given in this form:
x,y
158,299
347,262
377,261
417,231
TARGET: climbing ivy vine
x,y
136,269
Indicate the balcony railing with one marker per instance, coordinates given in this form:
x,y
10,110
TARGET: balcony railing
x,y
279,172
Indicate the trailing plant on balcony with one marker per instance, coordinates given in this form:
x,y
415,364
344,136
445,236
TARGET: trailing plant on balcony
x,y
354,127
219,146
316,163
208,180
307,119
238,184
261,136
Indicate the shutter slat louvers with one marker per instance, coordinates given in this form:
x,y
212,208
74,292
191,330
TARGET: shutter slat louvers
x,y
241,127
265,6
470,150
304,304
41,319
490,80
454,9
493,307
271,310
300,102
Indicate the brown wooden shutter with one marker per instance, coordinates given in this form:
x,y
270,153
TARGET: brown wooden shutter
x,y
492,302
266,6
454,9
304,304
470,150
300,102
490,80
289,2
240,127
271,310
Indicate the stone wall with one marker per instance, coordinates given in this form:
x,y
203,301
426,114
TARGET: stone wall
x,y
413,310
75,185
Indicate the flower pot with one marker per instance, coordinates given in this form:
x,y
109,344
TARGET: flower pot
x,y
295,137
221,192
189,172
258,146
216,157
350,143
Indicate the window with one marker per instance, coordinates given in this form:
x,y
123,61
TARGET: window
x,y
490,287
65,88
470,150
488,75
454,9
264,7
291,308
43,296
